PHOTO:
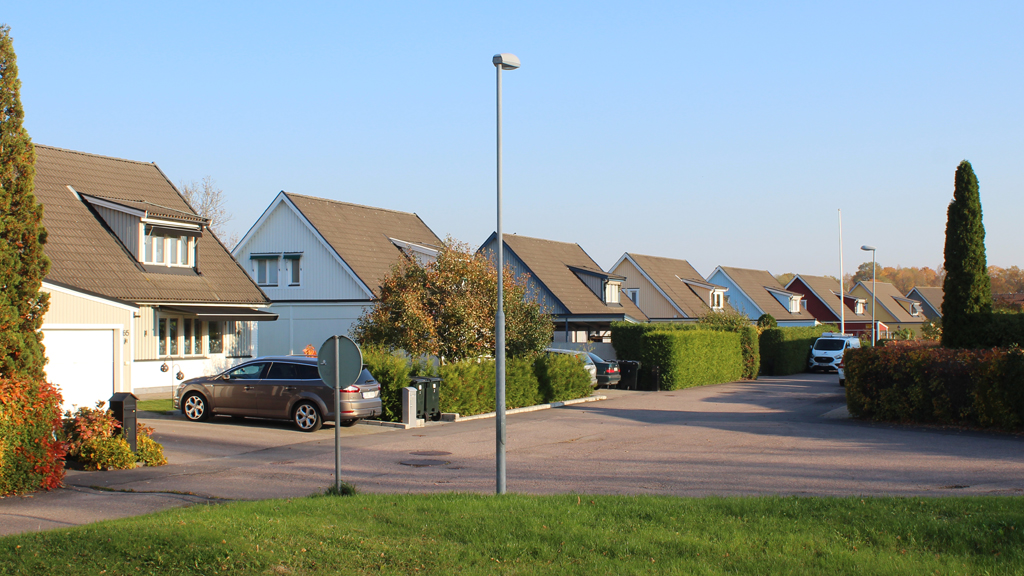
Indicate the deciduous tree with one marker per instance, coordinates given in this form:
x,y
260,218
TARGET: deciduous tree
x,y
22,262
208,201
967,289
446,308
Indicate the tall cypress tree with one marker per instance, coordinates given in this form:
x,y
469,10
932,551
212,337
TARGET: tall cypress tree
x,y
22,263
967,288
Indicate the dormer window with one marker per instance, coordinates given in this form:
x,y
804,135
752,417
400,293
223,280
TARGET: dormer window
x,y
611,292
633,294
163,247
717,300
915,309
794,304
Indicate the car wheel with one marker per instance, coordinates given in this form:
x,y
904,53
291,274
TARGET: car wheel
x,y
306,417
195,408
842,382
348,423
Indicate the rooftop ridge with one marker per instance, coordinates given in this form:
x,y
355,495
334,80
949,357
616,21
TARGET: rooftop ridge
x,y
353,204
140,162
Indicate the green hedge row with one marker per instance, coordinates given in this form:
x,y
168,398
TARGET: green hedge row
x,y
687,358
467,387
992,330
627,339
785,351
31,458
937,385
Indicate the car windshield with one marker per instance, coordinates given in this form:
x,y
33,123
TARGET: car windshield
x,y
595,357
829,344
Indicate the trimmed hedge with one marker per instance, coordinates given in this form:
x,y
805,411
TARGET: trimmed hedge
x,y
30,457
937,385
467,387
785,351
993,330
627,339
688,358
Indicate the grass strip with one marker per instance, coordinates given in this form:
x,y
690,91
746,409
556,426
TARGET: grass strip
x,y
162,405
565,534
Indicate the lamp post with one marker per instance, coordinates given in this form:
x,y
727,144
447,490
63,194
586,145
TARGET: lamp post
x,y
501,62
871,249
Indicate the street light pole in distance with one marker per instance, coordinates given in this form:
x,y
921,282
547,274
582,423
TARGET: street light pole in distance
x,y
871,249
501,62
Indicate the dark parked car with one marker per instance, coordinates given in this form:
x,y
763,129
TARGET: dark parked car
x,y
607,371
278,387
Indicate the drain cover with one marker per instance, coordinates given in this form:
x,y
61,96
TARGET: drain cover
x,y
422,463
430,453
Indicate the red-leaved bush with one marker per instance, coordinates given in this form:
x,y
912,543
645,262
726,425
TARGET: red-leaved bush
x,y
31,457
916,383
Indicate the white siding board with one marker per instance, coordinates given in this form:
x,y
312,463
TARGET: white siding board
x,y
322,276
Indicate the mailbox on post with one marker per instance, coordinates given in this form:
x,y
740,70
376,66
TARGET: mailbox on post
x,y
123,405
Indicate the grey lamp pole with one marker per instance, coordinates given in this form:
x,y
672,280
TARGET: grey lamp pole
x,y
872,250
501,62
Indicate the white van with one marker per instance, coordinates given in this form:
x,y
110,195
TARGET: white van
x,y
827,351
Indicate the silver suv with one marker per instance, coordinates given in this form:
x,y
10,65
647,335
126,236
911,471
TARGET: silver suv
x,y
278,387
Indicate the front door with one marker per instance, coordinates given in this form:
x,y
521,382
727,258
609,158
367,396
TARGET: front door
x,y
236,394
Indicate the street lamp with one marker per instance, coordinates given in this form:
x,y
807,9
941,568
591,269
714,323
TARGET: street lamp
x,y
871,249
501,62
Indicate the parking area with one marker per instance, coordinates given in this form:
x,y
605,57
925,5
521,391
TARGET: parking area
x,y
776,435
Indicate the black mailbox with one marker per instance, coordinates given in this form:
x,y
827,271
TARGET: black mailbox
x,y
123,405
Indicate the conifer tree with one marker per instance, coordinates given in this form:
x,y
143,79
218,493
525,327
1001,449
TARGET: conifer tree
x,y
22,263
967,288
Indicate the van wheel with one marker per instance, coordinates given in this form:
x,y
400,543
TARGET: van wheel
x,y
195,408
306,417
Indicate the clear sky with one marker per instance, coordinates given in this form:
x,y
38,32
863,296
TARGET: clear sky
x,y
723,133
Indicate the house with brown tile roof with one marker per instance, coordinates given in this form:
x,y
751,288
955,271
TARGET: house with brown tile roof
x,y
893,308
321,262
583,299
930,298
667,289
141,291
757,292
824,301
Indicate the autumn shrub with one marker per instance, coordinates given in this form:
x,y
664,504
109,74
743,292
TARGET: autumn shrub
x,y
928,384
30,457
91,436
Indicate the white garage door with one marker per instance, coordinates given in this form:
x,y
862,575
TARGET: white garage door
x,y
81,362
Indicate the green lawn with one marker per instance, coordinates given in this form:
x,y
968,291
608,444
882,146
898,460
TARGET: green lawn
x,y
154,405
516,534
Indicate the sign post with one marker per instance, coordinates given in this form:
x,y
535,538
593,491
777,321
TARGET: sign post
x,y
339,362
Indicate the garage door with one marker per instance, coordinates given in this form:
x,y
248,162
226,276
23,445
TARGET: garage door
x,y
81,362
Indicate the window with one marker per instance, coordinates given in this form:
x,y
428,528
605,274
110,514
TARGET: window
x,y
266,271
289,371
716,300
216,338
168,248
794,304
161,331
611,292
247,372
294,269
197,341
188,336
860,307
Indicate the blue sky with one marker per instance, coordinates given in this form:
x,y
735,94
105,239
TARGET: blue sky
x,y
721,133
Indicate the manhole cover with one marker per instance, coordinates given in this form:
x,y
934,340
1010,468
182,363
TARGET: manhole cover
x,y
422,463
430,453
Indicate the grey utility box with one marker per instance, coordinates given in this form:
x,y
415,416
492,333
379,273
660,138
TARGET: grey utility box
x,y
123,405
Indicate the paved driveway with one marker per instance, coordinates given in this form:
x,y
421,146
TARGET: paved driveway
x,y
771,436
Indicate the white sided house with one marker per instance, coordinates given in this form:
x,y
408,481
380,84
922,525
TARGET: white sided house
x,y
141,292
321,263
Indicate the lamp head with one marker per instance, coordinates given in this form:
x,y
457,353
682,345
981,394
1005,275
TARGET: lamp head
x,y
867,248
506,61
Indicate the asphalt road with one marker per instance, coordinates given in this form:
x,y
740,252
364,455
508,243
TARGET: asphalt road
x,y
772,436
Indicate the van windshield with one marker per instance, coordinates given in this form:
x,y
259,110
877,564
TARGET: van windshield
x,y
829,344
